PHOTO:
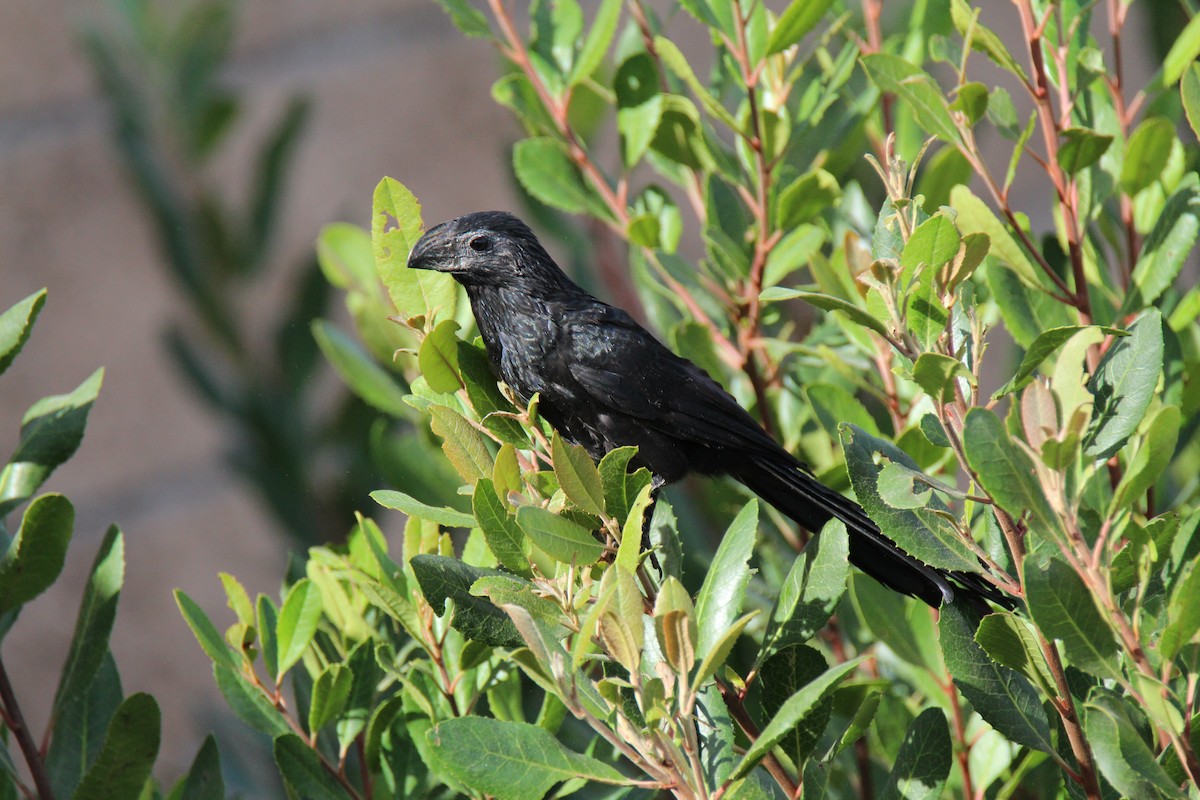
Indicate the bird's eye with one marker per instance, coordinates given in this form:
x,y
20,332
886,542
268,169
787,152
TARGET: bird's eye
x,y
480,244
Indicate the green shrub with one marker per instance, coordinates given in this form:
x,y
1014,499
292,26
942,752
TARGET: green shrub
x,y
517,637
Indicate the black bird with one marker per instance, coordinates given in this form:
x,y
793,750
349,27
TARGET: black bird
x,y
606,382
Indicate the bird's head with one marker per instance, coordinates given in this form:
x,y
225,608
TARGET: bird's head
x,y
487,248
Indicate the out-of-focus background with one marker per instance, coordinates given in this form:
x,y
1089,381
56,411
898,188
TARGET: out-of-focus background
x,y
394,90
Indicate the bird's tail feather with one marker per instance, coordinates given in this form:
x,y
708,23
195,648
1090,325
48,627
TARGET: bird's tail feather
x,y
795,492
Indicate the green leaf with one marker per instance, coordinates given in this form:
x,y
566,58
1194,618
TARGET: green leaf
x,y
1166,249
599,36
1081,148
462,443
1183,613
298,618
504,536
414,292
345,256
15,326
1042,348
236,598
922,533
302,769
1027,312
438,358
80,725
1012,641
1063,608
811,591
904,626
807,198
93,625
1189,89
674,59
781,676
1003,697
975,217
448,517
1182,53
577,476
203,780
792,712
248,702
972,101
51,431
443,578
983,40
923,763
934,243
614,477
547,172
630,549
913,85
937,373
511,760
1121,753
715,658
36,554
1008,473
720,599
127,755
1146,154
828,303
563,540
639,105
1123,385
796,20
1152,457
374,385
330,692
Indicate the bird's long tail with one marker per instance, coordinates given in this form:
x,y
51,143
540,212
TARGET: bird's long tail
x,y
794,491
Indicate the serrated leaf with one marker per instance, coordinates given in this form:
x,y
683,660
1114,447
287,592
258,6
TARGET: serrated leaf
x,y
1063,609
370,382
504,536
1003,697
792,712
811,591
297,624
577,476
414,292
934,242
920,532
1008,473
130,746
511,760
563,540
720,598
1123,385
15,326
389,498
924,760
443,578
462,443
35,556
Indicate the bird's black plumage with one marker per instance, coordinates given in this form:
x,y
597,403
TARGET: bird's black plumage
x,y
605,382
